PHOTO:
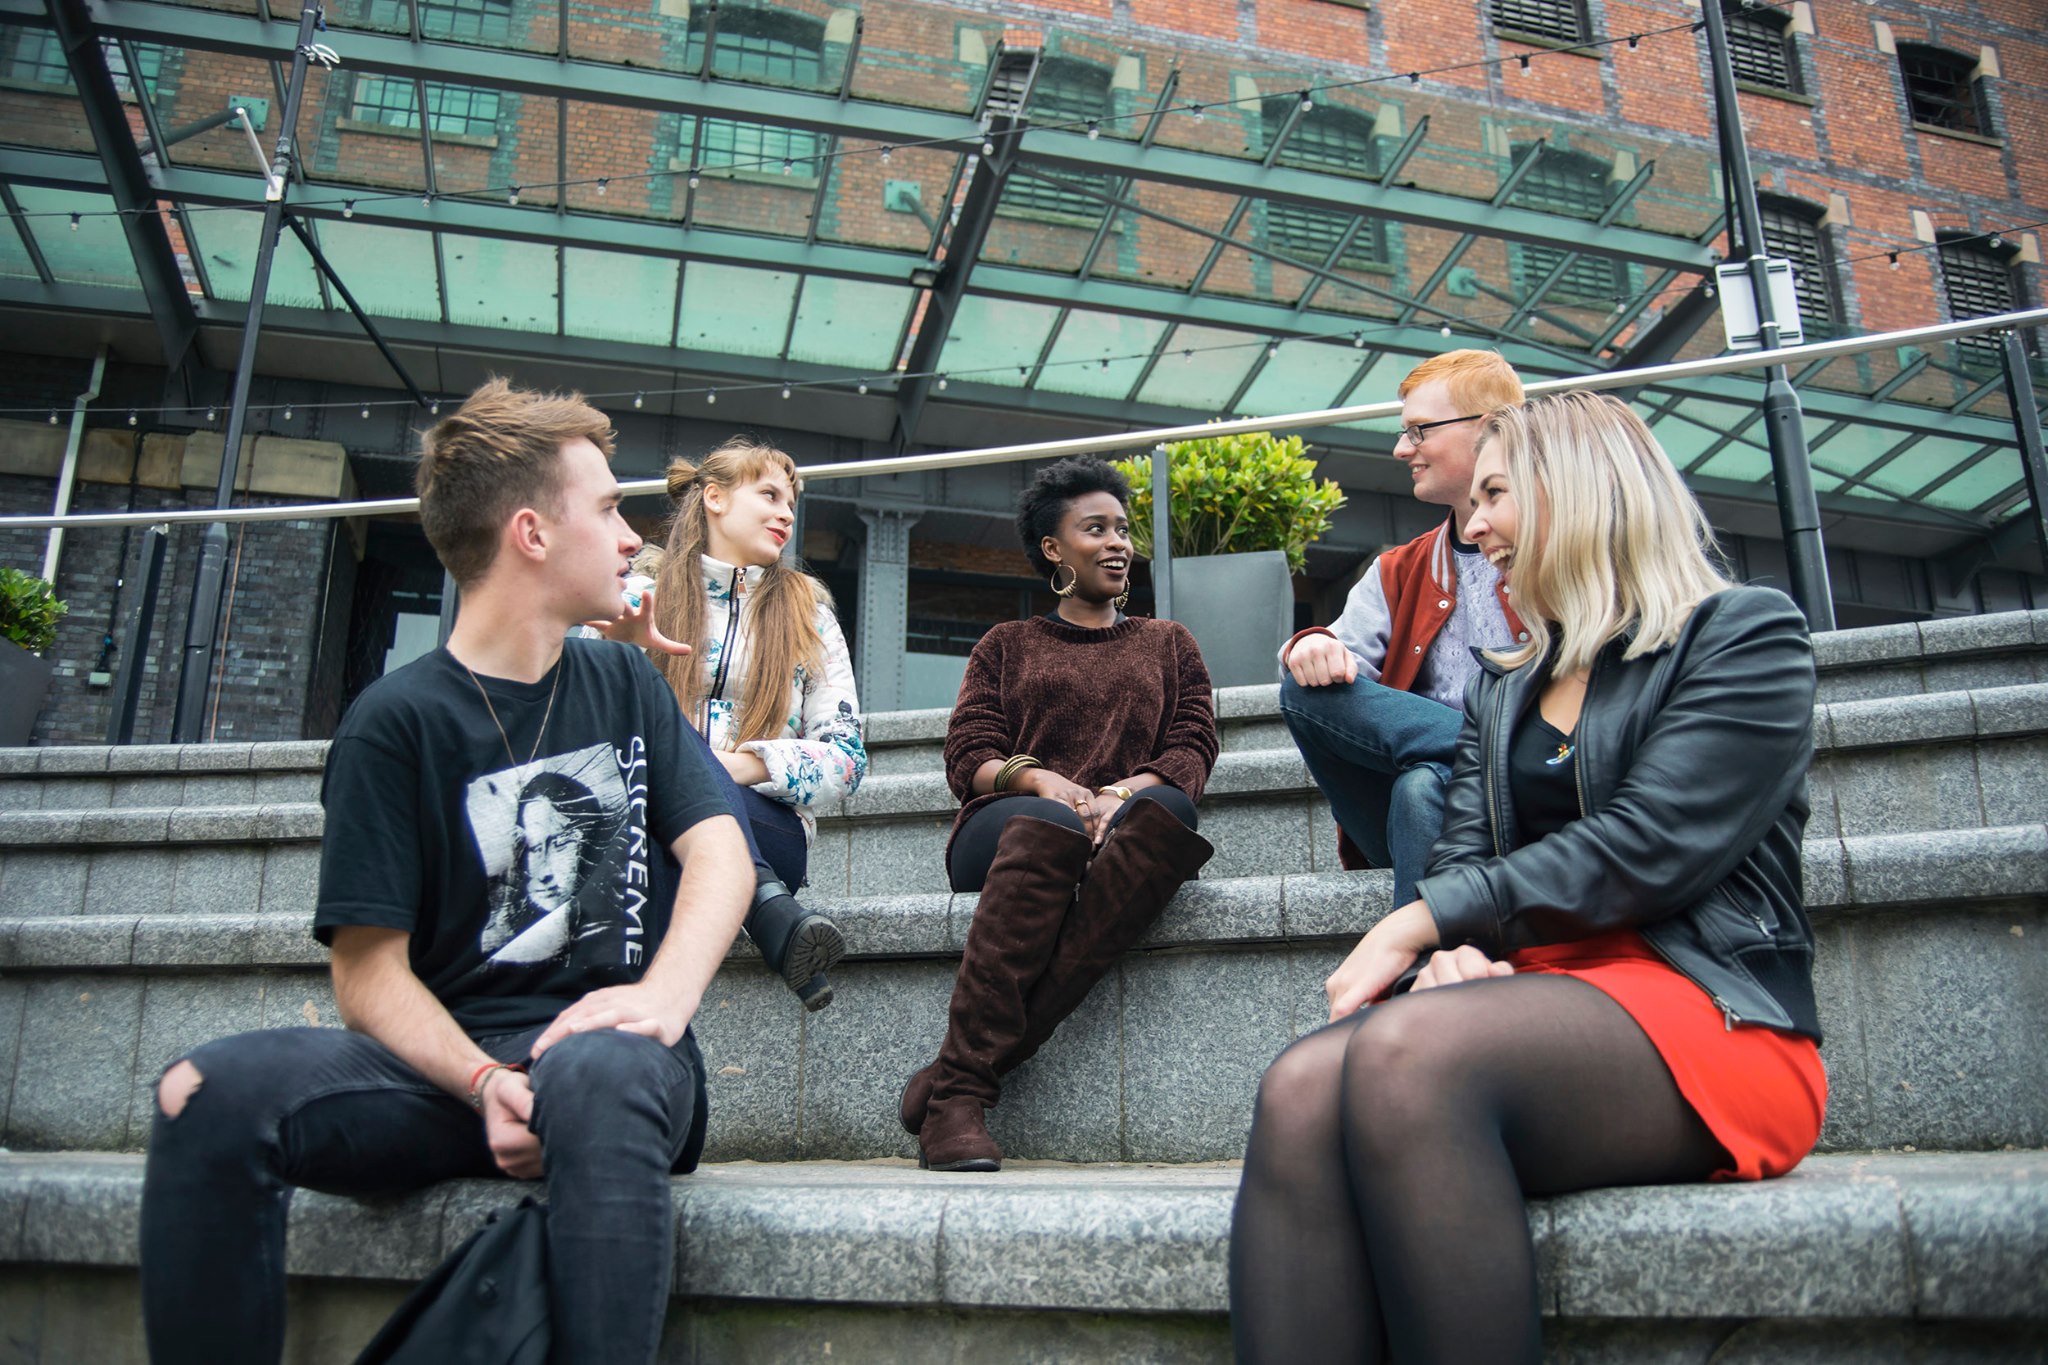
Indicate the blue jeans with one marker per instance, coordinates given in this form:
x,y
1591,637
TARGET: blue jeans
x,y
336,1111
1383,759
776,835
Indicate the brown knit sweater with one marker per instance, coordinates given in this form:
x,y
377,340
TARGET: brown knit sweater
x,y
1095,706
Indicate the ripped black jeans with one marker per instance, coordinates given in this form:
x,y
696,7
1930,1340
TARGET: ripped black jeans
x,y
335,1111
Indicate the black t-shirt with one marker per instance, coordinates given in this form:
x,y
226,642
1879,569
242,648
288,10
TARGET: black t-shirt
x,y
1543,778
525,886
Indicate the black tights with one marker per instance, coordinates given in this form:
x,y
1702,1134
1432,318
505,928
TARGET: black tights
x,y
1381,1210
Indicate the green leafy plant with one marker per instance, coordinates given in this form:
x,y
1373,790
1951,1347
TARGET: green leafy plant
x,y
1235,495
29,610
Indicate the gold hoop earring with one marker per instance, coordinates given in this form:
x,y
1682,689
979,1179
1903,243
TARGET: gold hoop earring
x,y
1074,582
1120,599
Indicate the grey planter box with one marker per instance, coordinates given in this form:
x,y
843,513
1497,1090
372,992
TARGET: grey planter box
x,y
1241,610
24,681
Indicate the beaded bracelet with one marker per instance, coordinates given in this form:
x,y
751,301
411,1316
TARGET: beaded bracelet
x,y
479,1078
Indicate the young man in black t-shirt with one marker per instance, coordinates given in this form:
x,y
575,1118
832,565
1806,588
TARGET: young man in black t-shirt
x,y
528,877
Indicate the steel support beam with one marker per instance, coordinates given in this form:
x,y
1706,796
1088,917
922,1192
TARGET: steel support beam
x,y
857,120
2026,422
156,264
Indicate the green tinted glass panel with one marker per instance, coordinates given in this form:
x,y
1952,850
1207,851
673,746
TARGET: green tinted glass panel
x,y
1740,462
14,258
227,240
1939,457
848,322
494,283
1854,448
389,270
97,253
1306,376
1201,369
620,297
992,339
1076,364
1695,426
735,310
1908,473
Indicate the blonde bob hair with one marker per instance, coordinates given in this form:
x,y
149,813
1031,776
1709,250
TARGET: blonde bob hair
x,y
1610,542
781,616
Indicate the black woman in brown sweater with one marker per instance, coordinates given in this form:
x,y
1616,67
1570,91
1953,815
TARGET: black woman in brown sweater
x,y
1079,745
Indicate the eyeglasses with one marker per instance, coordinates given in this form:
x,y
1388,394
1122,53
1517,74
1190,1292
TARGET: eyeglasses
x,y
1413,432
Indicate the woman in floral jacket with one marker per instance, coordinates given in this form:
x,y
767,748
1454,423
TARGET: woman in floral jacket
x,y
768,679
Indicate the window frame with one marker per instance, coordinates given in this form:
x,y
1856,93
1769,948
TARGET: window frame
x,y
1057,97
1967,262
1764,35
1960,106
1547,20
1805,244
367,105
1592,280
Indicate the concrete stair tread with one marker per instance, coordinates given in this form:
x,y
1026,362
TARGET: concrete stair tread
x,y
1860,1235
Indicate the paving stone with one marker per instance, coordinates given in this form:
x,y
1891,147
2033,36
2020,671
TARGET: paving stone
x,y
1824,872
193,940
1157,1246
150,789
2011,710
1822,822
40,828
71,760
1869,684
903,760
1257,838
130,881
213,758
1308,967
291,879
1970,671
886,1021
76,793
911,794
143,758
78,1040
1902,720
2012,778
19,761
73,941
1254,699
220,789
18,795
897,727
33,883
1248,735
1903,791
1066,1103
1836,1248
750,1028
845,1234
1977,1246
889,926
286,941
178,1014
294,755
1262,770
285,788
1956,1023
1194,1067
195,824
217,880
711,1330
372,1239
291,820
83,1210
898,857
1843,1051
299,1000
827,869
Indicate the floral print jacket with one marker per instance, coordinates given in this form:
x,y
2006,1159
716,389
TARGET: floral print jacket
x,y
820,756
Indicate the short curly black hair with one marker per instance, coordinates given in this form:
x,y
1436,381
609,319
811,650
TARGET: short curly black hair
x,y
1043,504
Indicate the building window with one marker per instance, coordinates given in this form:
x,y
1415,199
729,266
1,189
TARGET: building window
x,y
761,147
1792,231
461,21
1943,89
1326,138
1564,20
35,56
1760,49
456,109
1070,93
1978,280
761,45
1576,185
149,62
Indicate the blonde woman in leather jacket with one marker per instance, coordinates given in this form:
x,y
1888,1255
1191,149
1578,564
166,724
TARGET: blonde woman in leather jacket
x,y
1606,976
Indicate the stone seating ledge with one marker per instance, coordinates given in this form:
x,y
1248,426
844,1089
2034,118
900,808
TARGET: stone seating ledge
x,y
1864,873
1932,1237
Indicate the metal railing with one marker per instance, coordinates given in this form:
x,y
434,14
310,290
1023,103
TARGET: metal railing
x,y
1129,440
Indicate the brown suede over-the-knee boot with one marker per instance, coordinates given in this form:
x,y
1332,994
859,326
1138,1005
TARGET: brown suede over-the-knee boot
x,y
1147,858
1024,901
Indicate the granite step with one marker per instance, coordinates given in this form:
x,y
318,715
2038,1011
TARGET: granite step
x,y
1850,1258
1932,974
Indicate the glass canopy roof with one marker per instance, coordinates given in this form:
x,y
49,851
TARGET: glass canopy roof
x,y
767,193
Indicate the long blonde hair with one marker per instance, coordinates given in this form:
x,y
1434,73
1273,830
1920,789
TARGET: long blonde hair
x,y
781,623
1610,539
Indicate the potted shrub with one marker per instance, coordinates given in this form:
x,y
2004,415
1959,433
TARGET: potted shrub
x,y
29,612
1243,512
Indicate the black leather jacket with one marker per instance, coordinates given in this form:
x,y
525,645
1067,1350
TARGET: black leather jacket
x,y
1692,778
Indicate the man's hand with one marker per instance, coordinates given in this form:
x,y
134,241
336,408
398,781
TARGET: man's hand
x,y
1379,959
1459,964
629,1009
508,1109
635,626
1320,660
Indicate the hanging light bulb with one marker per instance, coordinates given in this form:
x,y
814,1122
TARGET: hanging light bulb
x,y
131,417
1996,241
287,412
887,152
1272,350
1188,356
1415,78
788,164
711,396
53,417
639,400
1308,106
1444,330
427,200
942,381
863,386
603,183
988,149
1105,362
1358,341
434,408
1094,130
785,390
512,197
348,208
74,222
694,177
1895,259
212,414
1524,60
1197,111
366,412
1633,39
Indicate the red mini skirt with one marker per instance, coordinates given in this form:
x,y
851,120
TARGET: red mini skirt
x,y
1762,1093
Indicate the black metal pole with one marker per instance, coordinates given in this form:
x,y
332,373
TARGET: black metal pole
x,y
2026,425
204,620
1162,533
1791,466
135,640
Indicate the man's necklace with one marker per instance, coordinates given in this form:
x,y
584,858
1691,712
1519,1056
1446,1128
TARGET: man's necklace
x,y
545,715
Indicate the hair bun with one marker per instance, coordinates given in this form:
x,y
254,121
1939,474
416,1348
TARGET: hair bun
x,y
681,474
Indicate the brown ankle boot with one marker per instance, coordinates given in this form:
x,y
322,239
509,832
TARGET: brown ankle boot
x,y
955,1138
1024,901
1143,862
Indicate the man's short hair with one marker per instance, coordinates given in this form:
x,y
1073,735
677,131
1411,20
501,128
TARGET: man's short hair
x,y
501,451
1479,381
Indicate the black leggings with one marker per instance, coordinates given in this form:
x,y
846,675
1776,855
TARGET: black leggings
x,y
1381,1212
974,847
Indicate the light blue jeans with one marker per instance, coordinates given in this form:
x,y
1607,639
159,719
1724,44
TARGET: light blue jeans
x,y
1383,758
